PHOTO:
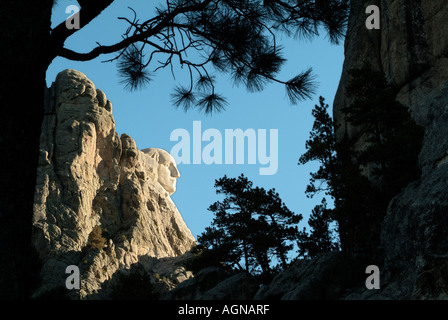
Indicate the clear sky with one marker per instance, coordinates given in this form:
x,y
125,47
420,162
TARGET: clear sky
x,y
149,117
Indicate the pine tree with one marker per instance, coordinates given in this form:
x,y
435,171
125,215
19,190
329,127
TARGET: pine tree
x,y
321,238
321,147
250,226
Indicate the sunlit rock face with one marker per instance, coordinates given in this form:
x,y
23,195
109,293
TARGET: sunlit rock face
x,y
89,178
411,48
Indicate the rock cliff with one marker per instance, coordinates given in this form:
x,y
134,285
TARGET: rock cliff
x,y
411,49
100,203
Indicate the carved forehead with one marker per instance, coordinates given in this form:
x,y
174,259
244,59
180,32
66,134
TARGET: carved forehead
x,y
164,156
160,155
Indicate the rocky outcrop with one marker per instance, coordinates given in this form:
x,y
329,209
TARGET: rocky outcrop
x,y
98,202
215,284
411,48
328,276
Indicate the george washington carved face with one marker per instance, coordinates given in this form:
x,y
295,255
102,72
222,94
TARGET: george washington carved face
x,y
165,170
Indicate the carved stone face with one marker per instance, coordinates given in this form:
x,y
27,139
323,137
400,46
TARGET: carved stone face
x,y
167,171
165,168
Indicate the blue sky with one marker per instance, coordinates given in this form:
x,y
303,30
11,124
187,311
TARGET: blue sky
x,y
149,117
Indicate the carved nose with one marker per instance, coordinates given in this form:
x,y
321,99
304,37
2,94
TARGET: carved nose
x,y
174,172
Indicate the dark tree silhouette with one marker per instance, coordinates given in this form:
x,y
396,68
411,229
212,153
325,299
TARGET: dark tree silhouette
x,y
250,226
235,36
321,238
321,147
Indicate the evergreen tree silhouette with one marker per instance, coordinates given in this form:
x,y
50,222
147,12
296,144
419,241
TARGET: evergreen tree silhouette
x,y
250,226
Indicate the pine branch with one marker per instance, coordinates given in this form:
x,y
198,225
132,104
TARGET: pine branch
x,y
301,87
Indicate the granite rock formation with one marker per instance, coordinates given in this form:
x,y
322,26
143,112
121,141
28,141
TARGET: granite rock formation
x,y
98,201
411,49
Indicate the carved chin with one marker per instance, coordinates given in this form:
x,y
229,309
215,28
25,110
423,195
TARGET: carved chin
x,y
171,188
